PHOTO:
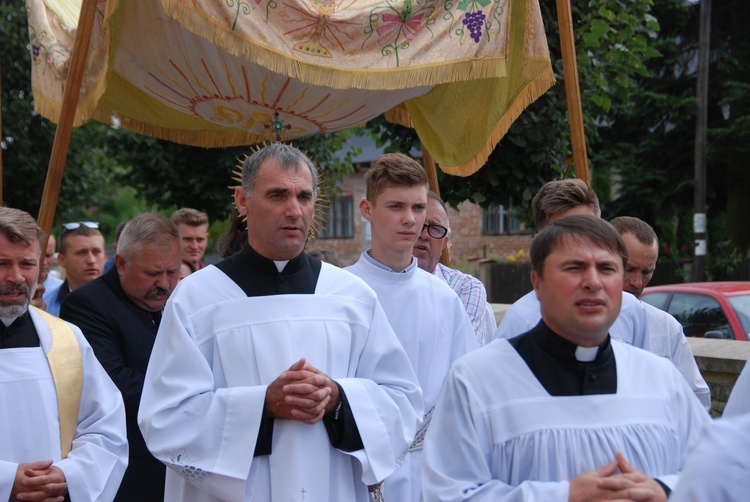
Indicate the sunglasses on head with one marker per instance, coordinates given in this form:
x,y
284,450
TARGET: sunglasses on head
x,y
67,227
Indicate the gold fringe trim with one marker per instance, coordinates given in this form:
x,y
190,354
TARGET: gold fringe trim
x,y
86,107
200,138
399,115
327,76
530,93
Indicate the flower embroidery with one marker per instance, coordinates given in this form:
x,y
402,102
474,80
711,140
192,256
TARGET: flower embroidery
x,y
395,25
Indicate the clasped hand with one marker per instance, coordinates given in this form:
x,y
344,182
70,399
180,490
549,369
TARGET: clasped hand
x,y
302,393
39,481
605,483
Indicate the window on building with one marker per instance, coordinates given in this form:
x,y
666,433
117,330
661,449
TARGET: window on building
x,y
339,221
497,220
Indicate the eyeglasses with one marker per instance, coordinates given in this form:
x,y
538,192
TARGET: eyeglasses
x,y
436,231
67,227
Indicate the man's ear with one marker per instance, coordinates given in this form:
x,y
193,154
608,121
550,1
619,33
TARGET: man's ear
x,y
119,263
239,200
365,207
535,282
60,260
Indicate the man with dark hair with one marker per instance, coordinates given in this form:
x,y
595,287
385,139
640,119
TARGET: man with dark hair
x,y
556,200
470,290
665,335
424,311
118,232
554,413
276,376
193,227
119,313
62,422
81,255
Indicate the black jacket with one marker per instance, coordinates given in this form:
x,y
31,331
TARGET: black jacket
x,y
122,336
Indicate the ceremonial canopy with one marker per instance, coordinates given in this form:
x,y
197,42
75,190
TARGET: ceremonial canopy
x,y
234,72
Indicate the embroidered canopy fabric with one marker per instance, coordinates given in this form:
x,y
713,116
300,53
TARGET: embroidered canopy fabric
x,y
236,72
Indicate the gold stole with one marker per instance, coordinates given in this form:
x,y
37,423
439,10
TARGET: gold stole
x,y
66,365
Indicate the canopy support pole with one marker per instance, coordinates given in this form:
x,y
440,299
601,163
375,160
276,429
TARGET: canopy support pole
x,y
67,114
572,90
428,161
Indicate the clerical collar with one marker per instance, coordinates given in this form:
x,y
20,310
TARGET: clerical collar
x,y
267,266
19,333
555,362
567,350
259,276
586,354
381,266
7,321
280,265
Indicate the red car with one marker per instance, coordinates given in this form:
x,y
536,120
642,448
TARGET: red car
x,y
706,309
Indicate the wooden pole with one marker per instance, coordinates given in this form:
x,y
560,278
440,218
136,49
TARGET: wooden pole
x,y
67,114
428,161
572,90
699,162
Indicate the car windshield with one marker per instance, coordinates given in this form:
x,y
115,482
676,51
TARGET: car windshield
x,y
741,306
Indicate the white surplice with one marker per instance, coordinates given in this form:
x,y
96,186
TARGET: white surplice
x,y
497,434
739,400
629,327
29,421
719,467
217,351
666,339
431,323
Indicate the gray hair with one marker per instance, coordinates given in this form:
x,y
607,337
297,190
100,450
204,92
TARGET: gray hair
x,y
147,229
434,196
286,156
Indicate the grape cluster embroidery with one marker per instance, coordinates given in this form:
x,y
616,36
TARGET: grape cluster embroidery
x,y
474,22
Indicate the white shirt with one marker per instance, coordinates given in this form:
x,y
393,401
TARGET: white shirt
x,y
719,467
666,339
739,400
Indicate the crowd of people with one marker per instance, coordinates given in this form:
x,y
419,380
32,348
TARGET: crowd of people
x,y
276,375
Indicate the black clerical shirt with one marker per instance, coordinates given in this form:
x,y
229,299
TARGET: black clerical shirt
x,y
553,361
20,333
256,275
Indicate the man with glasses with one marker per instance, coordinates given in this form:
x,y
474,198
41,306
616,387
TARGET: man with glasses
x,y
429,247
425,313
82,256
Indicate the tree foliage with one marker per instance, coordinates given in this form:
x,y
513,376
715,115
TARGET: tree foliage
x,y
613,40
